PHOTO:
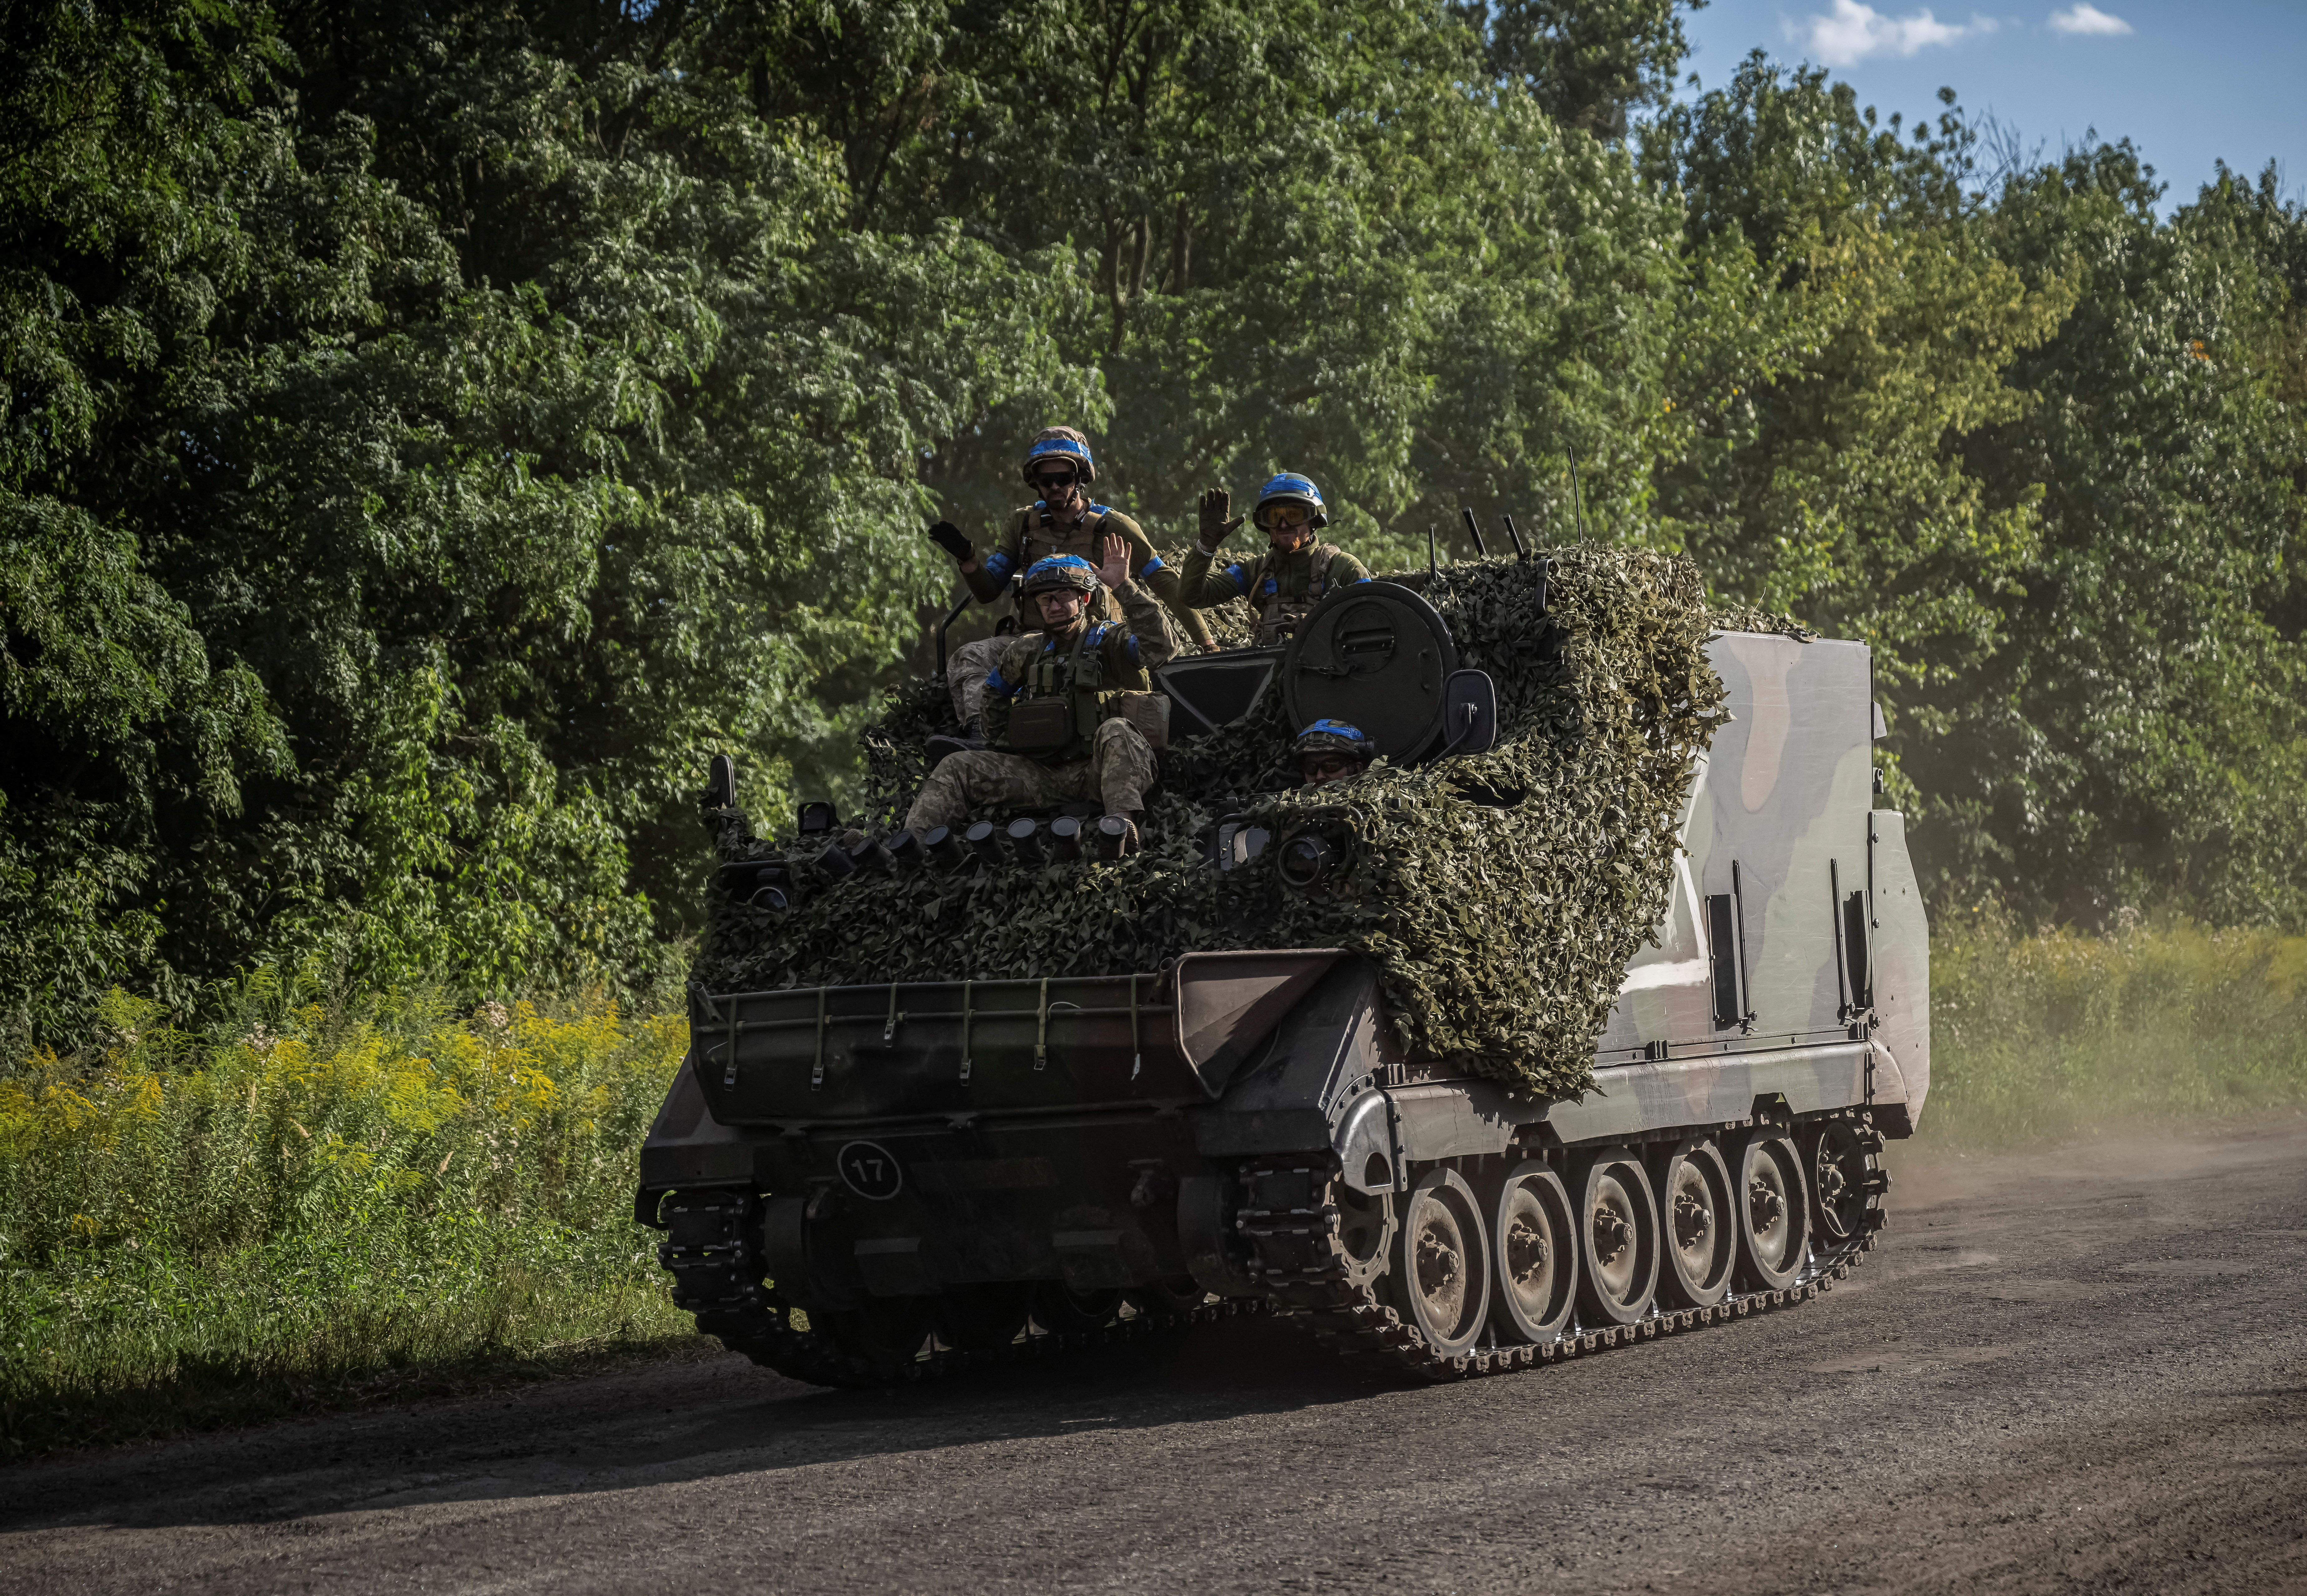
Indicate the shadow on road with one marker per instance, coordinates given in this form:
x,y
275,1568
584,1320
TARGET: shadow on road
x,y
2083,1359
687,1422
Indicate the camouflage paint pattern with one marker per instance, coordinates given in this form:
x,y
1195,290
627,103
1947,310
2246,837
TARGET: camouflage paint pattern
x,y
1780,822
1902,979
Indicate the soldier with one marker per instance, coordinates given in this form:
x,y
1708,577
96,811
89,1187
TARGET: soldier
x,y
1047,699
1290,579
1331,750
1063,520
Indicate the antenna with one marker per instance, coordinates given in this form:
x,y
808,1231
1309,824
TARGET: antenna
x,y
1578,514
1475,533
949,620
1432,570
1514,538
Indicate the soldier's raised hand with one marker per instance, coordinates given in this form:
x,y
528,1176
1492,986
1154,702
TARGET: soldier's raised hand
x,y
949,537
1214,524
1114,573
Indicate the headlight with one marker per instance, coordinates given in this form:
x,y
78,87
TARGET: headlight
x,y
1308,856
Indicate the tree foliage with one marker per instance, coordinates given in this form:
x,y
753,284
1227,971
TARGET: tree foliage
x,y
431,431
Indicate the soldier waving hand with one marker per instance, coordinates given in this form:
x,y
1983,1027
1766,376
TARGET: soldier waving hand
x,y
1050,715
1297,569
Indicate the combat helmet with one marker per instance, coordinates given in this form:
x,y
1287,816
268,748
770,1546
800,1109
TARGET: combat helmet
x,y
1289,487
1059,443
1333,736
1057,571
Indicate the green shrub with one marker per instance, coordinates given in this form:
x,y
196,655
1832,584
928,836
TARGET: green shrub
x,y
321,1203
2042,1036
317,1198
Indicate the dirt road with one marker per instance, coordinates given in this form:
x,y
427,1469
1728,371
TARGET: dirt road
x,y
2079,1371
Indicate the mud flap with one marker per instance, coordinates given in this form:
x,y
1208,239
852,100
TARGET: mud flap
x,y
1369,1141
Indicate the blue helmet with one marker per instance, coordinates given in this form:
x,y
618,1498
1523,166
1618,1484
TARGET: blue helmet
x,y
1054,571
1061,443
1326,735
1288,487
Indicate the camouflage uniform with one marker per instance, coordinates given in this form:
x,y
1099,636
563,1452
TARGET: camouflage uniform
x,y
1283,587
1107,760
1034,535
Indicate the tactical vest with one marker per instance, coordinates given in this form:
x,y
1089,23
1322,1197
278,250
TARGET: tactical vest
x,y
1038,537
1062,699
1286,591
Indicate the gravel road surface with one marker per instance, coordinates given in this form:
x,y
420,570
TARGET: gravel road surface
x,y
2078,1370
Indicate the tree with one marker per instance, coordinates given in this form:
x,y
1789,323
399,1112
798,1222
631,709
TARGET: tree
x,y
2138,738
1587,63
479,447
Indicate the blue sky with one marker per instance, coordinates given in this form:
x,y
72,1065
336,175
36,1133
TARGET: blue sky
x,y
2188,83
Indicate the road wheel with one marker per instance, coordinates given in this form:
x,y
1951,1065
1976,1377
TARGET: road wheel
x,y
983,1318
1698,1223
1365,1232
1618,1241
1440,1278
1773,1214
1535,1254
1838,1165
1061,1310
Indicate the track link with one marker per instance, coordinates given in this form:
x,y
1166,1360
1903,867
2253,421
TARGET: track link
x,y
717,1270
1289,1215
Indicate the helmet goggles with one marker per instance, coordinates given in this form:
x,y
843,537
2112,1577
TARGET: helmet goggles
x,y
1288,502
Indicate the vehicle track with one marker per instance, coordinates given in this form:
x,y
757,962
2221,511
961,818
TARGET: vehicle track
x,y
2083,1370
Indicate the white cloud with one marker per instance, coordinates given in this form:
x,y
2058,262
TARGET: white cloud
x,y
1856,32
2083,17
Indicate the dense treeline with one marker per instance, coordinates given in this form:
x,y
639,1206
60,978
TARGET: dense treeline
x,y
430,430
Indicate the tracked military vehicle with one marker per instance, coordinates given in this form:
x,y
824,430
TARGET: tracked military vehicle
x,y
1579,1018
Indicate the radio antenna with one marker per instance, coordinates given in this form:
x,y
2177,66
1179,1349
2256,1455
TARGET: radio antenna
x,y
1475,533
1578,514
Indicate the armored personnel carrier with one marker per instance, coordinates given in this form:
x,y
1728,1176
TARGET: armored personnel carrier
x,y
1576,1019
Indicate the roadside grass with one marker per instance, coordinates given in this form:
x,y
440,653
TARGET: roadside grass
x,y
316,1204
2053,1035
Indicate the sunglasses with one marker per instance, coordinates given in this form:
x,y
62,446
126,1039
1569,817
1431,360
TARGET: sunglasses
x,y
1054,479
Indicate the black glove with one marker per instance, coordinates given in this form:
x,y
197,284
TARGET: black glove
x,y
947,536
1213,522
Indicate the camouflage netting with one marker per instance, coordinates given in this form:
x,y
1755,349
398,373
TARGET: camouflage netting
x,y
1499,896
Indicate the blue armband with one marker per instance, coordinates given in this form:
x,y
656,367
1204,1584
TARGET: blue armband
x,y
998,564
1240,582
